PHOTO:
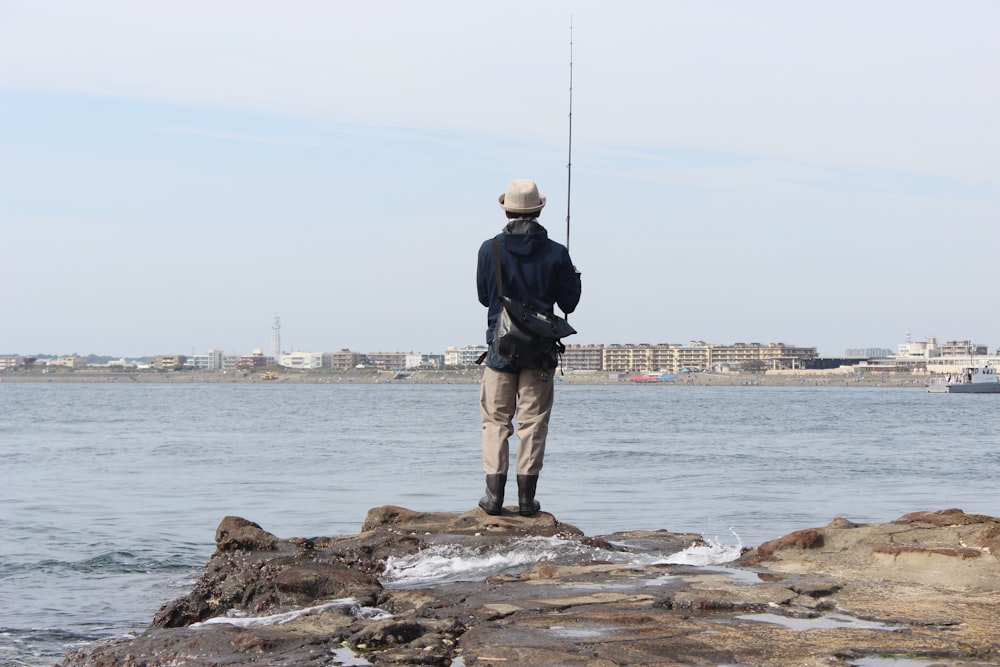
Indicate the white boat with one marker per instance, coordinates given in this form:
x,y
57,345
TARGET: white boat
x,y
972,380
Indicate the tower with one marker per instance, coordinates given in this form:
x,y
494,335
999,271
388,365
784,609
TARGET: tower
x,y
276,338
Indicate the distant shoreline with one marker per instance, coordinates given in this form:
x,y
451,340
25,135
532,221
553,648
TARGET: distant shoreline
x,y
465,376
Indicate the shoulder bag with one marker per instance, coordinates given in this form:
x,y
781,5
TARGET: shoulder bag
x,y
528,337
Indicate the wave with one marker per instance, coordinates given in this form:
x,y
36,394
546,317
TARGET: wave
x,y
712,552
447,563
349,606
107,563
24,647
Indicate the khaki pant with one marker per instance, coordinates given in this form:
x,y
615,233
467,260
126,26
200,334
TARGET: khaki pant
x,y
526,395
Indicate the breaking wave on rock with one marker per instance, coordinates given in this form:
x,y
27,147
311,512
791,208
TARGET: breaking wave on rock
x,y
348,606
449,563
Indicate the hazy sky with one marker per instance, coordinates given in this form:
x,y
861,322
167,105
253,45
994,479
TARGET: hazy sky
x,y
174,174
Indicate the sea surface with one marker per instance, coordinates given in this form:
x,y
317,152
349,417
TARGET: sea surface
x,y
110,494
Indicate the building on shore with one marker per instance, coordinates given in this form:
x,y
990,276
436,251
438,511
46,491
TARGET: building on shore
x,y
168,362
866,352
343,359
210,361
12,361
926,356
672,358
425,361
302,360
71,361
463,356
929,357
584,357
255,359
387,360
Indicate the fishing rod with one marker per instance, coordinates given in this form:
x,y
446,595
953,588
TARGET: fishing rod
x,y
569,159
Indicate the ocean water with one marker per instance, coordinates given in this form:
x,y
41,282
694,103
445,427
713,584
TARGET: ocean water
x,y
110,494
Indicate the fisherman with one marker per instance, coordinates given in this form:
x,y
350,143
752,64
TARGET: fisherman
x,y
538,271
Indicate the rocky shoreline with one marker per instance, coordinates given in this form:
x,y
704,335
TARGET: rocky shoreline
x,y
805,378
924,587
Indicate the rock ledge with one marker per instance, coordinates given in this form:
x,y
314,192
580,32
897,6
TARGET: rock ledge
x,y
925,586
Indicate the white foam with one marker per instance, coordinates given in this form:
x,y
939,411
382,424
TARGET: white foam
x,y
350,605
711,553
448,562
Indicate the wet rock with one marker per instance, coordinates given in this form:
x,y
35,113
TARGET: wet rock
x,y
926,585
312,580
801,539
475,522
277,576
238,534
946,549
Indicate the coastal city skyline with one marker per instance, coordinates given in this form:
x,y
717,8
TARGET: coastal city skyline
x,y
909,345
820,174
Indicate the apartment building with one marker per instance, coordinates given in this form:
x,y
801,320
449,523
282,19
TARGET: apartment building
x,y
675,358
583,357
168,361
958,348
255,359
387,360
343,359
625,358
463,356
210,361
11,361
302,360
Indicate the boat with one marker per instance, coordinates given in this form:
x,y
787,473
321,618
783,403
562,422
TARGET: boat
x,y
972,380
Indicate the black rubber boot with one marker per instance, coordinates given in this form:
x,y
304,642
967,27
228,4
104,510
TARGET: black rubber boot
x,y
526,503
492,502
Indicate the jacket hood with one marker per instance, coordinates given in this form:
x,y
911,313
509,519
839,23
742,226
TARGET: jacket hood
x,y
523,236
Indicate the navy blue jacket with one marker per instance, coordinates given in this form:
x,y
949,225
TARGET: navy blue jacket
x,y
536,270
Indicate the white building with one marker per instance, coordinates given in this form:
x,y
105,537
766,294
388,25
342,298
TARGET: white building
x,y
423,361
10,361
463,356
302,360
929,356
210,361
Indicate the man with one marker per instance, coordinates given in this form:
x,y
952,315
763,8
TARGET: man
x,y
538,271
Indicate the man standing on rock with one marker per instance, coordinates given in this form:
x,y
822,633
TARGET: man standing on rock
x,y
538,271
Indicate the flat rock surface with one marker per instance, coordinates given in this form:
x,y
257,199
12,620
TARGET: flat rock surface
x,y
924,587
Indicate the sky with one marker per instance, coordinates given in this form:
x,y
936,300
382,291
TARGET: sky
x,y
173,175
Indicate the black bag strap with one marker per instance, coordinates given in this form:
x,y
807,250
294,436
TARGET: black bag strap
x,y
496,267
560,348
499,276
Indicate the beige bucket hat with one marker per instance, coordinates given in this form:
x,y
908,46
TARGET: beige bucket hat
x,y
522,197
